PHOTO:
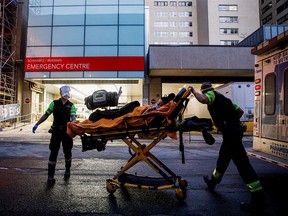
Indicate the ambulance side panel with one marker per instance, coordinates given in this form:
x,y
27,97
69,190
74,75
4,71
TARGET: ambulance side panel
x,y
271,104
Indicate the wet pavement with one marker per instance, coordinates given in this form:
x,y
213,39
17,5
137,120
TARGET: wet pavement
x,y
24,190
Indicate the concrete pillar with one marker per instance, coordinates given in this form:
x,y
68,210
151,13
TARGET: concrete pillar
x,y
155,88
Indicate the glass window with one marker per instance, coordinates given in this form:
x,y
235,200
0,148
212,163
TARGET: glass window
x,y
38,51
267,33
161,24
282,19
173,3
66,74
229,19
37,74
228,31
100,50
69,2
134,2
131,74
161,3
282,7
270,96
184,3
69,15
285,83
161,13
185,14
40,16
131,15
39,36
101,74
131,35
185,34
102,15
227,7
101,2
101,35
131,50
67,51
267,18
229,42
68,35
266,8
40,3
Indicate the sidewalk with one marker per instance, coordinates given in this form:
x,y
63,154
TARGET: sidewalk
x,y
23,134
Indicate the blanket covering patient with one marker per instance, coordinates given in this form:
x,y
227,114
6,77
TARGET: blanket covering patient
x,y
87,126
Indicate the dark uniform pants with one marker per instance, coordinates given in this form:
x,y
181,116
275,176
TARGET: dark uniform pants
x,y
57,137
233,149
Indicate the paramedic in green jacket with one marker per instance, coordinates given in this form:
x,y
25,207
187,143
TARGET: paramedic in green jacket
x,y
226,117
63,111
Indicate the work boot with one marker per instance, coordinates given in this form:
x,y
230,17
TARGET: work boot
x,y
51,179
67,170
51,172
211,182
257,204
67,173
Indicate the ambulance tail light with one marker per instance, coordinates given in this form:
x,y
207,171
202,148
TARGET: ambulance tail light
x,y
257,93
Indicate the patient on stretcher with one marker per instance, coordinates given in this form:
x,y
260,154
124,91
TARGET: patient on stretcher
x,y
161,102
120,122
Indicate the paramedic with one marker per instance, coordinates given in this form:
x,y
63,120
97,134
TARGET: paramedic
x,y
63,111
226,117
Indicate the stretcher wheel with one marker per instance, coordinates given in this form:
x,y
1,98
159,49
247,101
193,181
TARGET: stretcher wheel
x,y
111,187
180,194
183,184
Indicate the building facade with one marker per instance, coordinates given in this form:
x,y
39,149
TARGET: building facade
x,y
98,44
172,22
273,12
201,22
84,42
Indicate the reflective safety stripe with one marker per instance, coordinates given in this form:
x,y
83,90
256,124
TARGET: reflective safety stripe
x,y
254,186
217,174
52,162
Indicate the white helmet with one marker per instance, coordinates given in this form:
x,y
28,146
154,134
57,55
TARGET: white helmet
x,y
65,92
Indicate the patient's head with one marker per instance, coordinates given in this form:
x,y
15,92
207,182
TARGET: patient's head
x,y
171,96
166,99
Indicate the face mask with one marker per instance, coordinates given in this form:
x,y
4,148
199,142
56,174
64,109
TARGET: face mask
x,y
65,92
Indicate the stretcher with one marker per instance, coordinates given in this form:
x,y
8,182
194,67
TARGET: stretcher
x,y
158,126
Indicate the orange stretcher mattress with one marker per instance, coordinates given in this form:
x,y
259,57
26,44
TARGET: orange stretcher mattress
x,y
133,119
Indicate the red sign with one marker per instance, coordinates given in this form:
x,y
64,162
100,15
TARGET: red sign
x,y
111,63
27,100
153,101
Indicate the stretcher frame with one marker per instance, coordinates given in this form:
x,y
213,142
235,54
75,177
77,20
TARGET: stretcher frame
x,y
169,179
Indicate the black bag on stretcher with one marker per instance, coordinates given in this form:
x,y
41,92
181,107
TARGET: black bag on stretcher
x,y
102,98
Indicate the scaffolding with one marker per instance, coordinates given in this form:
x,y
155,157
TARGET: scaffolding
x,y
8,76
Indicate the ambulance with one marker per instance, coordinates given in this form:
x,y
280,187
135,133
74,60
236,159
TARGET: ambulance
x,y
270,132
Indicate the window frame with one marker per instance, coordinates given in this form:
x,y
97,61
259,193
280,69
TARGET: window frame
x,y
267,102
285,91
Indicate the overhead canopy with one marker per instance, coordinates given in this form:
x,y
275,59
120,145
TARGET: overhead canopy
x,y
196,61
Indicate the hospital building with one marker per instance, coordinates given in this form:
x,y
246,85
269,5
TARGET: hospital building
x,y
147,47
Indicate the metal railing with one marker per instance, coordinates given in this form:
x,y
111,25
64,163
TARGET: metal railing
x,y
18,122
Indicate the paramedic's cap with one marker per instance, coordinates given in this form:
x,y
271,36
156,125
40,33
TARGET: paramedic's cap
x,y
65,92
206,86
